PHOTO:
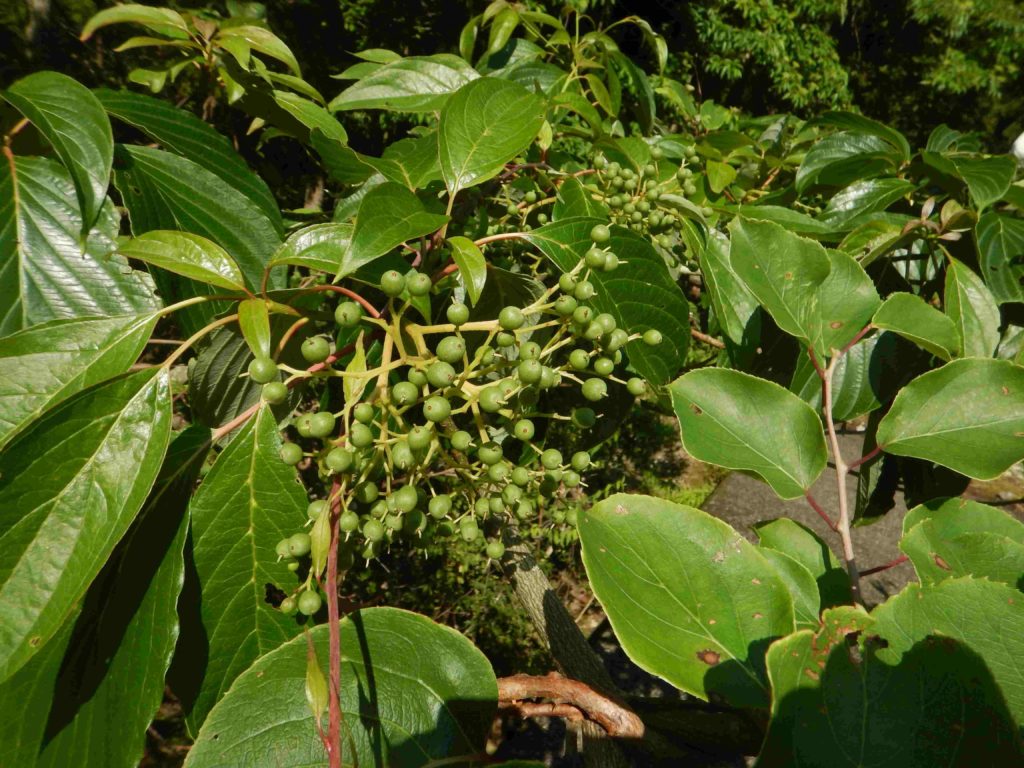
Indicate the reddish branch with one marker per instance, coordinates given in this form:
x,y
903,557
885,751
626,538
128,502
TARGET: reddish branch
x,y
817,508
570,699
334,633
887,566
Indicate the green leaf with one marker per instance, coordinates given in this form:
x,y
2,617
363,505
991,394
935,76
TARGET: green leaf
x,y
412,162
472,266
803,589
320,247
186,254
342,164
846,209
806,547
794,221
641,87
1001,255
735,307
77,127
254,321
973,309
185,134
735,420
125,635
845,157
913,318
485,124
576,200
842,305
985,616
248,502
782,270
502,27
987,178
850,121
720,175
45,271
162,20
413,84
389,215
66,500
48,363
935,705
311,115
262,40
639,294
967,415
689,598
412,693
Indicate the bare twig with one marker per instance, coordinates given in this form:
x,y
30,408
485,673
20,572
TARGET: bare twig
x,y
709,340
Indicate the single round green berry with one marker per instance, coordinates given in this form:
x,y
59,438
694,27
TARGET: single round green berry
x,y
395,522
652,337
523,429
511,318
482,505
366,492
363,413
511,209
348,521
440,374
600,234
461,441
616,340
436,409
530,196
392,283
315,349
495,550
348,314
321,424
291,454
579,360
288,606
404,393
275,392
373,530
529,371
604,366
594,258
521,476
548,378
506,339
316,508
594,389
584,417
469,529
584,290
606,321
439,506
299,545
637,387
405,498
498,473
339,460
416,377
491,399
572,515
282,548
566,283
451,349
360,435
611,262
530,350
402,456
582,315
418,284
457,313
263,370
571,479
304,425
566,305
551,458
490,453
420,437
580,460
309,602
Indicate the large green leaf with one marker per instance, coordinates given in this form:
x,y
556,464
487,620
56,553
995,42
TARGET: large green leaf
x,y
389,215
987,178
576,200
842,305
948,538
803,545
248,502
413,693
472,266
845,157
782,270
689,598
311,115
186,254
319,246
850,121
742,422
50,362
411,162
973,309
260,39
185,134
77,127
162,20
1001,255
937,704
484,125
735,307
803,589
967,415
913,318
70,486
639,294
125,635
986,616
414,84
863,197
45,271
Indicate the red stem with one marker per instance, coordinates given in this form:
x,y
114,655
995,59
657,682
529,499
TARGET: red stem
x,y
866,457
346,292
334,634
817,508
887,566
860,335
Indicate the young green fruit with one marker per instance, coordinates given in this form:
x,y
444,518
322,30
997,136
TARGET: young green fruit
x,y
309,603
436,409
418,284
299,545
392,283
457,314
315,349
263,370
348,314
600,234
451,349
291,454
511,318
275,392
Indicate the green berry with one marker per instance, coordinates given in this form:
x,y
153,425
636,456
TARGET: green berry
x,y
436,409
524,429
521,476
498,473
363,413
418,284
339,460
604,366
579,359
490,453
420,438
491,399
571,479
360,435
348,314
461,441
392,283
580,460
505,339
458,313
548,378
309,602
529,371
617,340
288,606
299,545
348,521
566,305
404,393
440,374
439,506
572,515
263,370
652,337
551,458
530,196
417,377
402,456
304,425
321,424
584,290
469,529
594,389
495,550
291,454
282,548
600,233
366,492
405,498
611,262
316,508
451,349
275,392
530,350
566,283
373,530
582,315
511,318
594,258
315,349
636,387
